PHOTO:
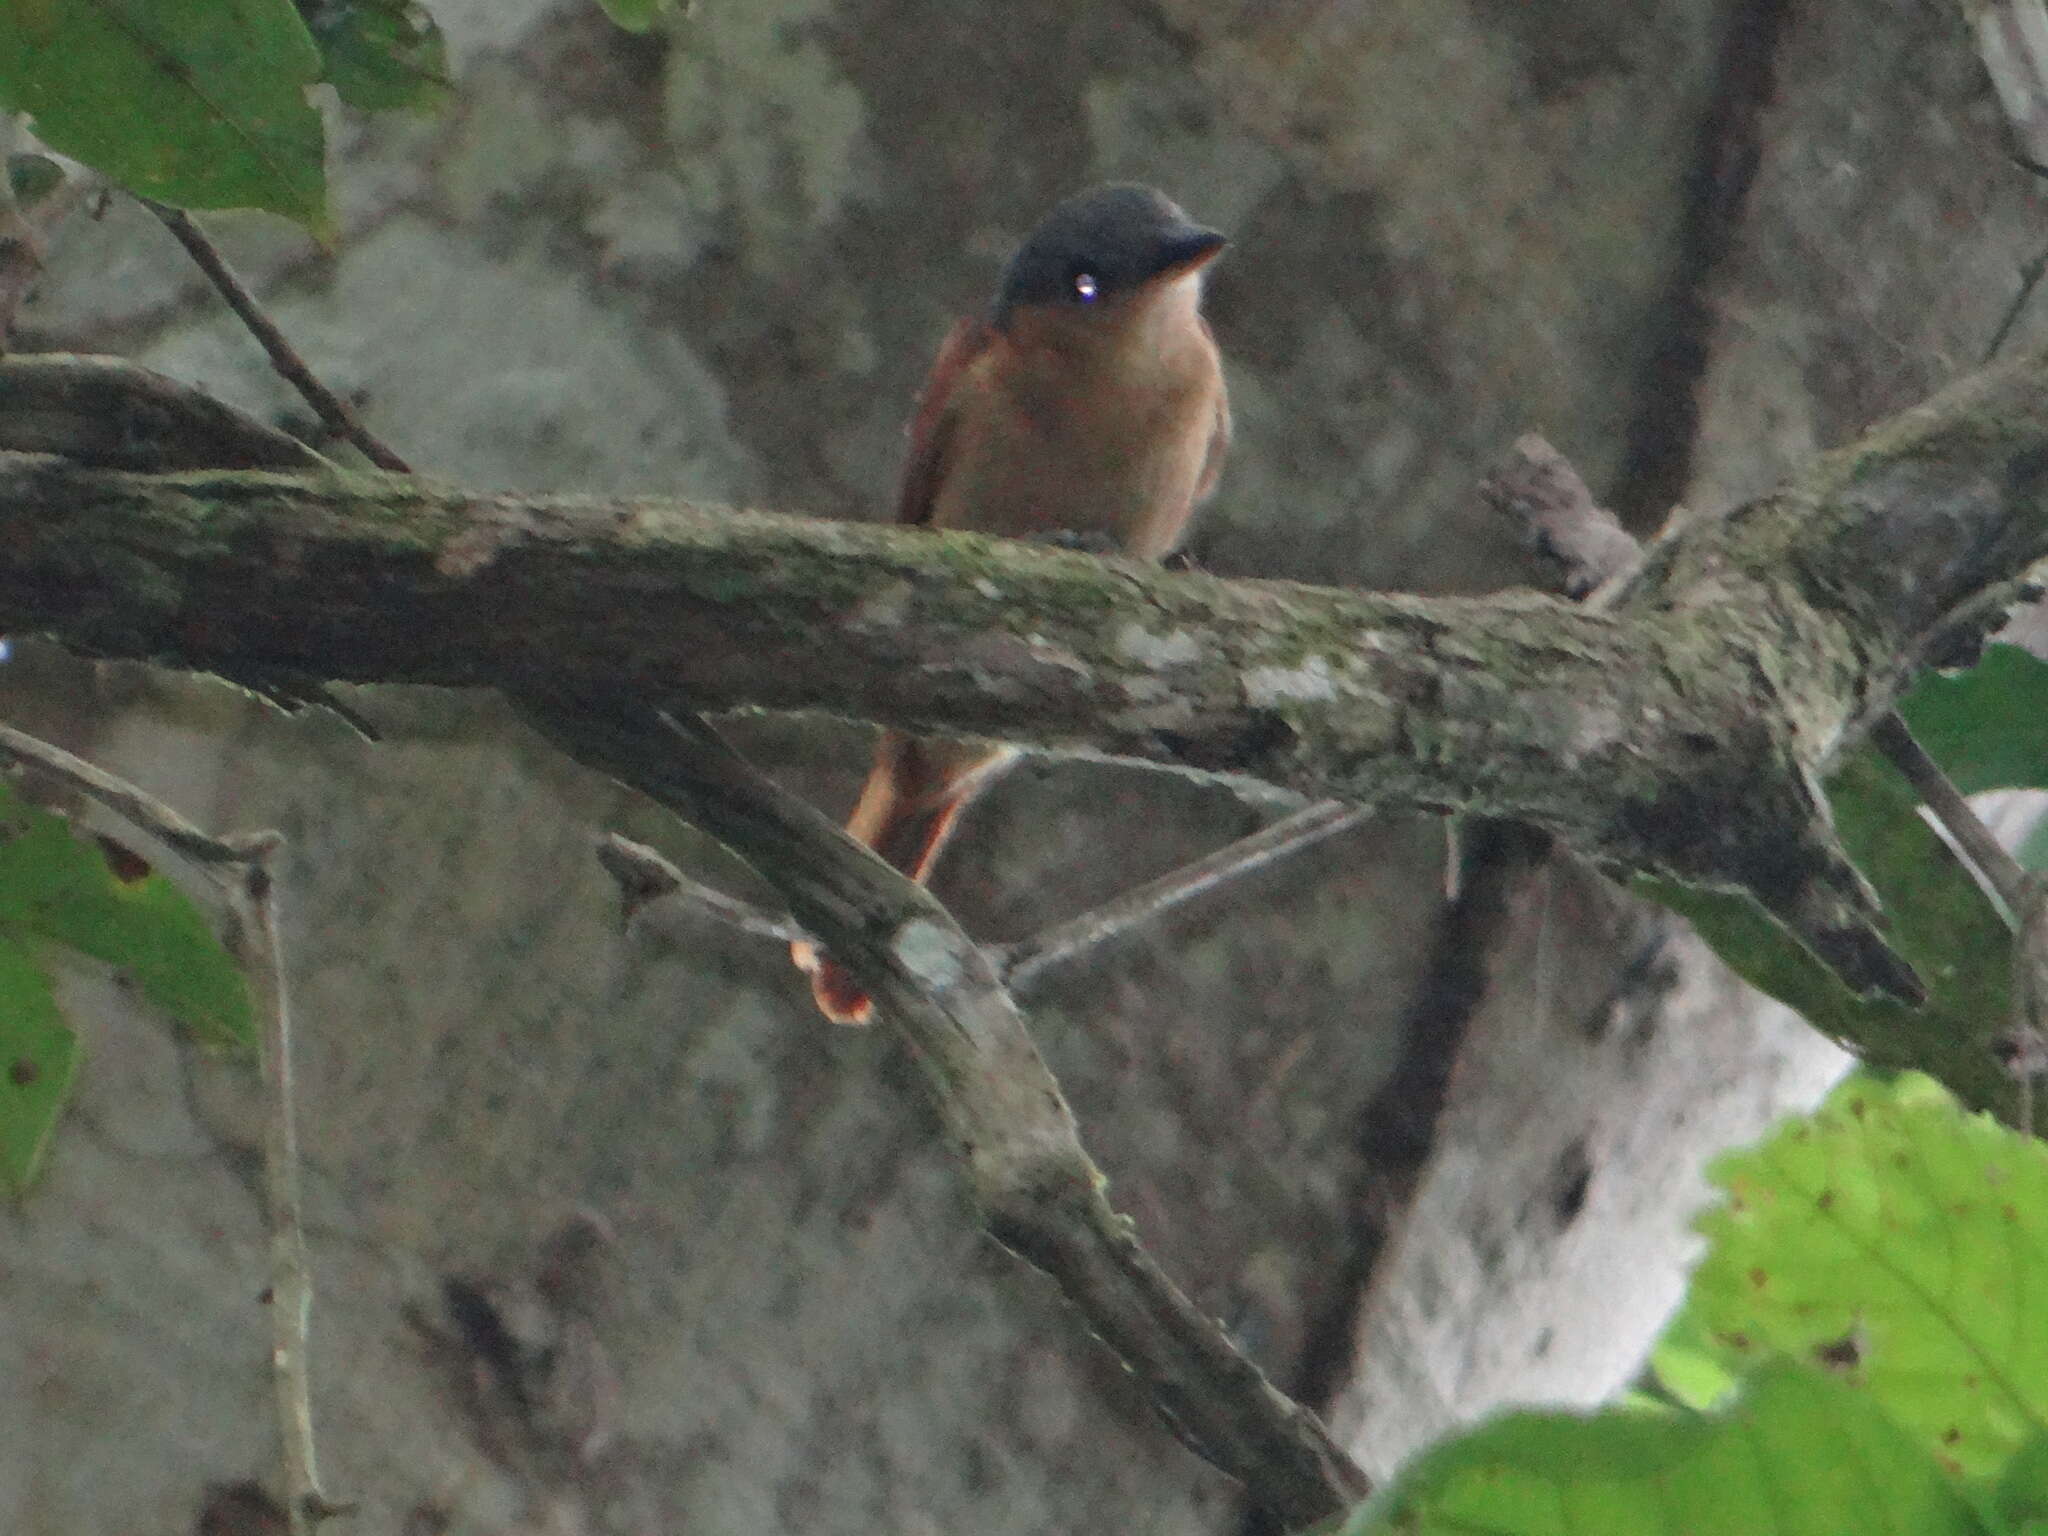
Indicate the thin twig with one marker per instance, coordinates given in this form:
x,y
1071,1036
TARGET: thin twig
x,y
126,800
1997,867
645,876
336,412
2030,279
1024,962
2023,896
242,868
254,898
1041,1194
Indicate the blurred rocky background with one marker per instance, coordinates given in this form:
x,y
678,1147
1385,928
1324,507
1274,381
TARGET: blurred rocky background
x,y
1423,1152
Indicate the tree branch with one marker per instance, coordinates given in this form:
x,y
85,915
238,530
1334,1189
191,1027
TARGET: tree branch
x,y
1540,490
1042,1196
1022,964
109,412
644,877
1681,731
1582,543
1593,555
336,413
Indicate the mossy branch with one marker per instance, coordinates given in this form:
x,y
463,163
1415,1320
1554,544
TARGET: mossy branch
x,y
1680,730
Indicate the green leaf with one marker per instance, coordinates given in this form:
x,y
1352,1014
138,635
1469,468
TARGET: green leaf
x,y
38,1060
55,886
1903,1243
381,55
1800,1454
1987,727
1941,921
2020,1496
200,103
635,15
1690,1368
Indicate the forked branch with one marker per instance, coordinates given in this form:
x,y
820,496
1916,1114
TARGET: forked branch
x,y
1041,1194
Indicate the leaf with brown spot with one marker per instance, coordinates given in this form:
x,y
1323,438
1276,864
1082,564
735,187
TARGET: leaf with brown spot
x,y
1908,1274
57,885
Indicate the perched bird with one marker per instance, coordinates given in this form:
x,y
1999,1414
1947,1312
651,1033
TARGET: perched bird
x,y
1086,407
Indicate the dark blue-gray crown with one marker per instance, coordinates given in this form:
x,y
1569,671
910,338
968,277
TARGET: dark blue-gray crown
x,y
1099,243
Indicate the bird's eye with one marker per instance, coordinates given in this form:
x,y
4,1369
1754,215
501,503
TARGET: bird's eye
x,y
1085,287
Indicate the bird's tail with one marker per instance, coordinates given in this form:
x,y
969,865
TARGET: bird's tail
x,y
906,813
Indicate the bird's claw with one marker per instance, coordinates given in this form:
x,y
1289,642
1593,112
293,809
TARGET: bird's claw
x,y
1087,541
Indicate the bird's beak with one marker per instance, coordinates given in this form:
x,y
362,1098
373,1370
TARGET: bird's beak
x,y
1190,250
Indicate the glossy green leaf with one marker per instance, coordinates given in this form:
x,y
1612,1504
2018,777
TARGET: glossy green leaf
x,y
38,1060
54,885
1799,1454
1941,921
1987,727
635,15
1902,1243
381,55
199,103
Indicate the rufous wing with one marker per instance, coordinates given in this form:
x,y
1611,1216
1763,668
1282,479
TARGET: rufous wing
x,y
1219,441
933,421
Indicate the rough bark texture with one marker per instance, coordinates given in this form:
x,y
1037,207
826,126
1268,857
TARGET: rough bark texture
x,y
1039,1193
713,263
1680,730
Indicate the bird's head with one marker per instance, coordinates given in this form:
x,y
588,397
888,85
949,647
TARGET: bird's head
x,y
1102,248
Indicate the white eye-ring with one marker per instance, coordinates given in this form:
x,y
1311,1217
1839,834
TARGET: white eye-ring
x,y
1084,286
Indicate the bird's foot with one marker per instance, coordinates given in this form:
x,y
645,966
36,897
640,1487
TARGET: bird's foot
x,y
1087,541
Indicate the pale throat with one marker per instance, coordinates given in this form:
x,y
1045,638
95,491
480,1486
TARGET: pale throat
x,y
1162,319
1158,326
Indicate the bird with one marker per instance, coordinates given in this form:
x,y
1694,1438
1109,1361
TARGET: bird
x,y
1086,407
